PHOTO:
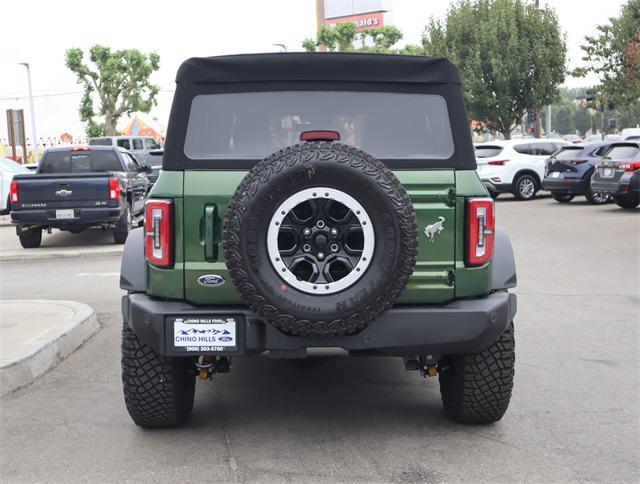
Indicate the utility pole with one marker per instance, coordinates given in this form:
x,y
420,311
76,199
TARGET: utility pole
x,y
34,134
320,21
547,127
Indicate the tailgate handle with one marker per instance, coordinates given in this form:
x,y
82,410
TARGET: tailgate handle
x,y
211,231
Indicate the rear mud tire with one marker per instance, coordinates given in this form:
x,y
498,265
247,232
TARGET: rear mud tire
x,y
596,198
628,203
121,232
30,238
158,391
562,197
476,388
305,167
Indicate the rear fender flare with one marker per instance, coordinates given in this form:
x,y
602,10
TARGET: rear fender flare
x,y
503,267
133,268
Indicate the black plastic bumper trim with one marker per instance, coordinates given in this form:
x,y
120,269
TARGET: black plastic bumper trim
x,y
462,326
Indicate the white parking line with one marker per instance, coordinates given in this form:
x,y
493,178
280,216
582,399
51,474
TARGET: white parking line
x,y
97,274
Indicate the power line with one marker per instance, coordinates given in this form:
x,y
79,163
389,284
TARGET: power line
x,y
69,93
12,98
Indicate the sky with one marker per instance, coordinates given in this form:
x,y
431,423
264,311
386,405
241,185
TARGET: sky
x,y
41,31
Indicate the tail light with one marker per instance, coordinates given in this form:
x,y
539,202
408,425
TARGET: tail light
x,y
577,162
115,190
13,191
158,236
480,231
498,162
630,165
81,148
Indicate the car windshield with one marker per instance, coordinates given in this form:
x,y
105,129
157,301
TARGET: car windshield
x,y
487,151
251,125
79,161
626,152
569,153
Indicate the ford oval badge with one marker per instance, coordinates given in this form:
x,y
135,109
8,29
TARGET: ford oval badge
x,y
211,280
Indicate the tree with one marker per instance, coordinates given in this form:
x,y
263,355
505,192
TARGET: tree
x,y
614,54
582,120
511,57
120,82
344,37
564,121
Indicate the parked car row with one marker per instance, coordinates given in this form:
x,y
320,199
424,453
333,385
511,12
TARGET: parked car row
x,y
78,187
599,171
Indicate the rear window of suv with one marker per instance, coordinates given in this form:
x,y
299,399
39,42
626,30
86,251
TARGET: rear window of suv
x,y
626,152
568,153
488,151
79,161
252,125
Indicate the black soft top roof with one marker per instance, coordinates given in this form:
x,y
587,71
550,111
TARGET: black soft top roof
x,y
316,66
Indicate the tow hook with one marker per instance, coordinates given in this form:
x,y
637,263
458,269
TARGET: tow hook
x,y
428,366
208,365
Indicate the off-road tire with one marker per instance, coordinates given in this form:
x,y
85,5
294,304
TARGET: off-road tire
x,y
518,187
627,202
30,238
121,232
158,391
476,388
562,197
300,167
593,198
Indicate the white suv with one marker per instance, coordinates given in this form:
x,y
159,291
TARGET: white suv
x,y
515,166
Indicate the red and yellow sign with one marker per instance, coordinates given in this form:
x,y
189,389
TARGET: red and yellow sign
x,y
363,21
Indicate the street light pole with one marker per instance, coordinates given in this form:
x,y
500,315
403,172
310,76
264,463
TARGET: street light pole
x,y
34,134
320,21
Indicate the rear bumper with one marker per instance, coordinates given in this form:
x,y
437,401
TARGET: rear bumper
x,y
82,216
574,186
462,326
627,184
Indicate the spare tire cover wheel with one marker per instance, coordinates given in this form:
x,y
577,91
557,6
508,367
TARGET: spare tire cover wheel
x,y
320,239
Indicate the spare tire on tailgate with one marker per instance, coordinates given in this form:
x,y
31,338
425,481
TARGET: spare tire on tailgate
x,y
320,239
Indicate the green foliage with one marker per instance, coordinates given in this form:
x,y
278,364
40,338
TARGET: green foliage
x,y
344,37
582,120
614,54
564,121
120,82
511,56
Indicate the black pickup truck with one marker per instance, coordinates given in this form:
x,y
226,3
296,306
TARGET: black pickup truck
x,y
79,187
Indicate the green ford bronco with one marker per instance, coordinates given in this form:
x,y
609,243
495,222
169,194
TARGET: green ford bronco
x,y
314,205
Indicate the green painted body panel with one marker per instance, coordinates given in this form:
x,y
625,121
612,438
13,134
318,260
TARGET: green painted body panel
x,y
201,199
469,281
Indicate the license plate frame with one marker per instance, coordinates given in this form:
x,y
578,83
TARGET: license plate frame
x,y
65,214
201,334
608,172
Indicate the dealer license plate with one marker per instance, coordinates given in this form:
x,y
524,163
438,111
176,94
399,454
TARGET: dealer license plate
x,y
205,333
64,214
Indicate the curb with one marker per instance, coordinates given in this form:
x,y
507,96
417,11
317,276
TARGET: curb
x,y
39,254
48,349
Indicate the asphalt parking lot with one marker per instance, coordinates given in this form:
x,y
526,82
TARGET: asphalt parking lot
x,y
574,416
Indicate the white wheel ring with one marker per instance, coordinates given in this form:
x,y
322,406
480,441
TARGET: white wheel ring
x,y
318,193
